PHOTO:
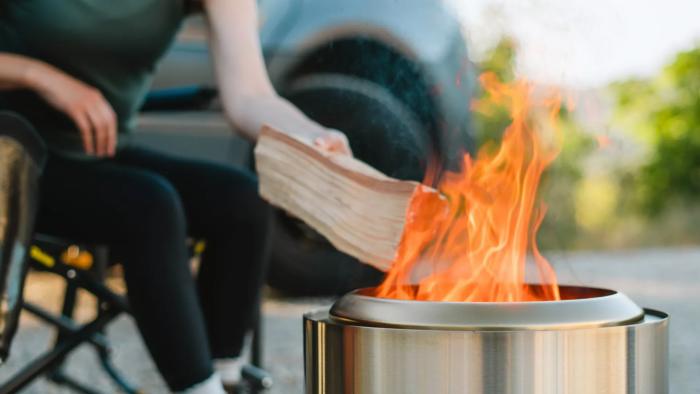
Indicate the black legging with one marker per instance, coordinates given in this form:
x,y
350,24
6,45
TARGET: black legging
x,y
143,205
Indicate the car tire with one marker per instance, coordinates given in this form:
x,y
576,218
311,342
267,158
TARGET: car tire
x,y
383,133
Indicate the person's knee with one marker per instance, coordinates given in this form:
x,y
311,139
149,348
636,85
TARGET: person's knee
x,y
245,206
154,242
155,210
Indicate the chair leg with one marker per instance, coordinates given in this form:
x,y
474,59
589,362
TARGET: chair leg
x,y
49,361
256,356
67,327
259,378
62,379
92,281
67,310
116,376
101,263
254,373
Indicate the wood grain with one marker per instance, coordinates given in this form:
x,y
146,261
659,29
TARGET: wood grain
x,y
360,210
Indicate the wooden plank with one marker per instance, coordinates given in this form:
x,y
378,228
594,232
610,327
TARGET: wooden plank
x,y
360,210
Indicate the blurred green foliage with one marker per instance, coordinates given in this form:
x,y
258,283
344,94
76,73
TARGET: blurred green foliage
x,y
500,60
617,202
560,229
665,112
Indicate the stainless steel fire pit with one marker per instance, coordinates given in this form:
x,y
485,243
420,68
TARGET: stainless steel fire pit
x,y
593,341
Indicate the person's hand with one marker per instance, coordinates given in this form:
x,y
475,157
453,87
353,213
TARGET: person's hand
x,y
84,104
333,141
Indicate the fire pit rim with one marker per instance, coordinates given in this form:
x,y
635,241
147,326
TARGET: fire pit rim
x,y
613,308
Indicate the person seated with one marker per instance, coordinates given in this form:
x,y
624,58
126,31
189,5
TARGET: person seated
x,y
78,71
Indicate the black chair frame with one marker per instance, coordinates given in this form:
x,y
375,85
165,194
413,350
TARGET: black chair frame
x,y
71,334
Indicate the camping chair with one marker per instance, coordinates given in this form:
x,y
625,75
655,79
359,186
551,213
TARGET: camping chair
x,y
85,267
81,267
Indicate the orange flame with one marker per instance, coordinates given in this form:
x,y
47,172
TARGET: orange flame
x,y
472,243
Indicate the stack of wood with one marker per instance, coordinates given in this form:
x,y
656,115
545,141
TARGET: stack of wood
x,y
361,211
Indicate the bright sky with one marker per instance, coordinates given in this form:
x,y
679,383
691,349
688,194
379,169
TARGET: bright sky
x,y
584,43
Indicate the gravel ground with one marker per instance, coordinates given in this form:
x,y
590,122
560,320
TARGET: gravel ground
x,y
665,279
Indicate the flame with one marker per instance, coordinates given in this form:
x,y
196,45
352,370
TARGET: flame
x,y
471,242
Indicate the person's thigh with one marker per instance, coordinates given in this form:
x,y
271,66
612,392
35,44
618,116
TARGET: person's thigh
x,y
103,201
217,198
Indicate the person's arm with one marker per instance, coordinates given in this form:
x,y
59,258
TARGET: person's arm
x,y
13,71
85,105
246,91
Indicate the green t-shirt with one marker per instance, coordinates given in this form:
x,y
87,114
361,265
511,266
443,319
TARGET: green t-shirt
x,y
111,45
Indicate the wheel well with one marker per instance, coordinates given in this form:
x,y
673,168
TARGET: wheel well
x,y
367,58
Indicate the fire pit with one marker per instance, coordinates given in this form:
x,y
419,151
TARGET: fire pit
x,y
455,313
591,341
